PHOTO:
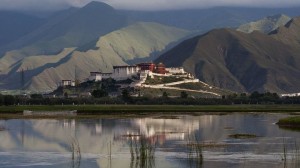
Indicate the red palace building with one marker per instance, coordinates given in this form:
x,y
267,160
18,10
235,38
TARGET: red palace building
x,y
160,69
147,66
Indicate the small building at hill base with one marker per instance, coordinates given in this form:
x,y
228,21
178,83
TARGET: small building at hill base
x,y
98,76
67,83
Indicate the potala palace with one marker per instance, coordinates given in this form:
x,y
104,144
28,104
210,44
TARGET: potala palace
x,y
138,72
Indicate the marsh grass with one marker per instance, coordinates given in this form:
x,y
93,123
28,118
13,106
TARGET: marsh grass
x,y
136,109
75,152
2,128
242,136
296,156
142,152
290,159
290,122
194,153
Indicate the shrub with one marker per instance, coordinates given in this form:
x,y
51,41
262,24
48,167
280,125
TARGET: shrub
x,y
9,100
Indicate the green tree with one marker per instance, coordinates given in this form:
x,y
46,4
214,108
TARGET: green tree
x,y
255,95
165,95
126,95
184,95
1,99
66,95
36,96
9,100
99,93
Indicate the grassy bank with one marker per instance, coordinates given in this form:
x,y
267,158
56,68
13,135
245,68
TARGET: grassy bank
x,y
132,111
111,109
293,122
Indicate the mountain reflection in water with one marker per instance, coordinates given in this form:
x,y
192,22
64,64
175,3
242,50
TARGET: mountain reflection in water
x,y
146,142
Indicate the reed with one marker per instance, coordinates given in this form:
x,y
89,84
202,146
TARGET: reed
x,y
75,152
296,156
195,153
284,156
291,154
142,153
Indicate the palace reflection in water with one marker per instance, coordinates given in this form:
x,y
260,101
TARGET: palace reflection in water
x,y
144,142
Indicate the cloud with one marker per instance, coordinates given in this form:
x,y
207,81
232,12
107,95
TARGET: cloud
x,y
33,4
179,4
142,4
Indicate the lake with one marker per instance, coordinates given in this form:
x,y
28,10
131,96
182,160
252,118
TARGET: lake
x,y
176,141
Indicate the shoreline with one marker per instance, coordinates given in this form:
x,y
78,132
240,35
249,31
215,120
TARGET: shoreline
x,y
96,111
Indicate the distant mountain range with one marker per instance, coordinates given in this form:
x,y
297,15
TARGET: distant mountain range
x,y
96,37
44,72
70,28
265,25
243,62
15,25
204,20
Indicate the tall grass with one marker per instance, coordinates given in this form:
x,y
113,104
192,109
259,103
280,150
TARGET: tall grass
x,y
142,153
291,159
75,152
194,153
296,156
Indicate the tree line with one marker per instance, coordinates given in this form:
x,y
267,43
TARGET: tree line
x,y
101,97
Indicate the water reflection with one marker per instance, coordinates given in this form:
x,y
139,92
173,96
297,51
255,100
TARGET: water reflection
x,y
184,141
76,152
142,152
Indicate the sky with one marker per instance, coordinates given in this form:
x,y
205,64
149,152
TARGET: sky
x,y
142,4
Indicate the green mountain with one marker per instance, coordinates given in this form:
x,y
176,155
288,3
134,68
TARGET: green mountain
x,y
243,62
120,47
265,25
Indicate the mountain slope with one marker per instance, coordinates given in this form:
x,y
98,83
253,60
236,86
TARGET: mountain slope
x,y
288,34
66,29
241,62
70,28
15,25
140,41
265,25
44,72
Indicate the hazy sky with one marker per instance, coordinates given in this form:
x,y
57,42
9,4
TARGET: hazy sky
x,y
143,4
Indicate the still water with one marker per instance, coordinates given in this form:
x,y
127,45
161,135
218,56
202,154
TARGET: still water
x,y
157,141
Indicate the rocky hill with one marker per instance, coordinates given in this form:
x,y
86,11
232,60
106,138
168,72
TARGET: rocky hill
x,y
243,62
265,25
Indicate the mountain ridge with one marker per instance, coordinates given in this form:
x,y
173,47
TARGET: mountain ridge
x,y
116,48
238,61
265,25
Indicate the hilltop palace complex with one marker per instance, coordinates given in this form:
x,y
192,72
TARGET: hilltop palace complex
x,y
139,71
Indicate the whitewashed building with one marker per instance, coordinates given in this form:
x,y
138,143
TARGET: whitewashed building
x,y
98,76
95,76
176,70
145,73
290,95
67,83
119,73
125,72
